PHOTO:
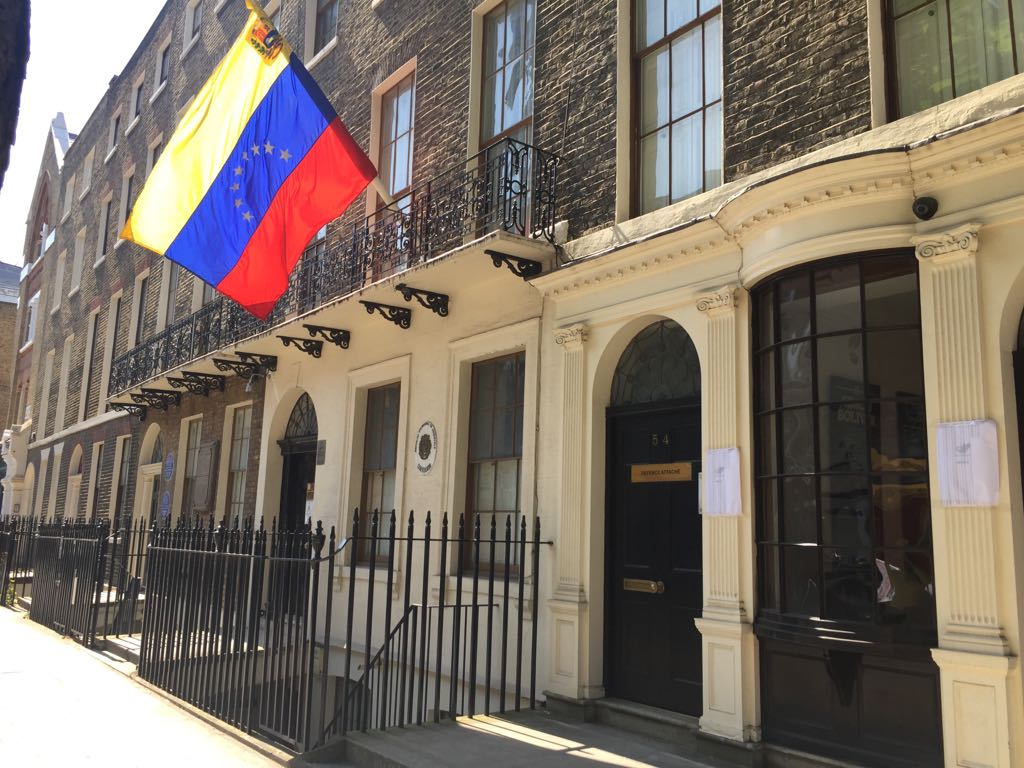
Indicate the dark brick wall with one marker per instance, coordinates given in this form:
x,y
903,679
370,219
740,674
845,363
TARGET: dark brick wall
x,y
796,78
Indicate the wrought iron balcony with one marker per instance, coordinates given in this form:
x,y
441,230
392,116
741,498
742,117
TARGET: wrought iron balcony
x,y
510,186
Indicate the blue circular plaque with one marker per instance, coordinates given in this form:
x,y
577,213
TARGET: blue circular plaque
x,y
165,505
169,466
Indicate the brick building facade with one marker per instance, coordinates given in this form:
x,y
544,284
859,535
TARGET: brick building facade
x,y
725,215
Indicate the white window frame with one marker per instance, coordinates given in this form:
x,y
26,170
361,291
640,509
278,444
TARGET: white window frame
x,y
92,328
360,381
90,160
156,141
58,282
104,222
31,319
314,57
44,399
137,308
224,465
122,214
62,389
77,261
113,134
69,197
158,85
109,341
137,104
519,337
187,35
373,200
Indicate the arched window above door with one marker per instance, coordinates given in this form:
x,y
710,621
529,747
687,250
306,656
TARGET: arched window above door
x,y
157,454
302,422
660,364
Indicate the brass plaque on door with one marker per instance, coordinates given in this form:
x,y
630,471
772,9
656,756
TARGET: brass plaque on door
x,y
643,585
680,471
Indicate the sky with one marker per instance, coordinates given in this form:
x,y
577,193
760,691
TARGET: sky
x,y
67,72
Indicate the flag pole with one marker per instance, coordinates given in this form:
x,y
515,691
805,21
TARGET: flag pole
x,y
382,190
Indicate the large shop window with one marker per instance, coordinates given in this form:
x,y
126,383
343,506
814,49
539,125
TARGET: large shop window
x,y
677,66
940,49
844,533
495,448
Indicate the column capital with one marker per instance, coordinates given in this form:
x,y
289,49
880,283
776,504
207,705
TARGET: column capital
x,y
947,246
722,299
571,337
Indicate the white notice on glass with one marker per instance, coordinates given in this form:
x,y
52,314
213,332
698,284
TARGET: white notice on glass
x,y
721,473
968,463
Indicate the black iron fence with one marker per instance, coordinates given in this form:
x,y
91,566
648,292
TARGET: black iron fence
x,y
17,546
430,624
68,563
122,593
510,186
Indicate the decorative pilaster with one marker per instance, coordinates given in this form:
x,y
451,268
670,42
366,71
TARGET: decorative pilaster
x,y
727,640
974,665
956,392
571,340
568,605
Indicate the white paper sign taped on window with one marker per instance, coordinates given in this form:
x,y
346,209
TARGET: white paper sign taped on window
x,y
721,476
968,463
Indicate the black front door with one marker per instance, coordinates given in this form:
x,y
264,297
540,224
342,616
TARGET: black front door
x,y
654,555
298,473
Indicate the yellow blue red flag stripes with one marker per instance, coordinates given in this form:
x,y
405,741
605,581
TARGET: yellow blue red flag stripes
x,y
257,165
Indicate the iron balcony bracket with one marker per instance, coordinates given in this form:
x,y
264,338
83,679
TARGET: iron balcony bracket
x,y
160,399
312,347
210,380
435,302
400,316
337,336
237,367
266,363
195,387
520,267
132,409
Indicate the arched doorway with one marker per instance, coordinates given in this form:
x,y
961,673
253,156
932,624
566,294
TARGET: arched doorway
x,y
148,483
298,451
654,588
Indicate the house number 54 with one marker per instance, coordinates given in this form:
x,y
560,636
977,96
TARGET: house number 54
x,y
657,439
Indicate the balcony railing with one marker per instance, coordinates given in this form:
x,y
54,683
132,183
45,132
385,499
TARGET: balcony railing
x,y
510,186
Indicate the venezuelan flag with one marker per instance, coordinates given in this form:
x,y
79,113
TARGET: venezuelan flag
x,y
258,164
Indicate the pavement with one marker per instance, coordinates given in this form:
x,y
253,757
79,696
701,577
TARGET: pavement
x,y
60,705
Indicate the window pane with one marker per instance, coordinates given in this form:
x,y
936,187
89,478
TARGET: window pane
x,y
800,511
982,49
841,368
654,171
794,307
770,578
768,441
922,58
654,90
837,298
766,391
687,74
800,570
528,86
491,110
894,364
713,146
844,439
768,521
650,22
850,582
400,178
513,96
766,316
890,292
797,441
906,589
707,5
898,436
687,157
678,13
902,510
484,485
713,59
845,511
515,28
795,373
504,433
507,486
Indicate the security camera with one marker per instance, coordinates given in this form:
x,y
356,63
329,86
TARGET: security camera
x,y
925,207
